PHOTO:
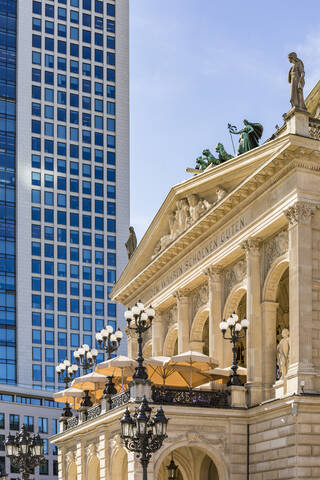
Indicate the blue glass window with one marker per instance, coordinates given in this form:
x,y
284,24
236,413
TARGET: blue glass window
x,y
49,44
111,276
62,321
36,321
111,58
36,354
86,272
62,270
99,275
74,16
49,269
49,304
62,47
36,58
36,7
36,336
86,19
36,373
49,355
49,318
62,339
86,69
62,30
74,340
74,33
111,10
49,27
62,64
49,336
74,271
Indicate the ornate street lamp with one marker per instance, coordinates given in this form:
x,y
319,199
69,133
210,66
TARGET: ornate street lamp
x,y
143,434
172,469
85,357
25,451
66,373
139,319
109,339
235,328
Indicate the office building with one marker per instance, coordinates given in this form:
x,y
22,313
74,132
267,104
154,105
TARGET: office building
x,y
64,162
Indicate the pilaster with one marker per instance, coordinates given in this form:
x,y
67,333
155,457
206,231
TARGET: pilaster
x,y
251,246
269,352
300,296
214,275
80,460
158,335
182,300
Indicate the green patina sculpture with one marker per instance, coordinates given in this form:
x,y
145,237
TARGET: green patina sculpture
x,y
208,159
249,136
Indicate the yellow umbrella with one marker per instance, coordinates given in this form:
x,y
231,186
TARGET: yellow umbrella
x,y
120,366
193,359
69,395
224,373
90,382
162,372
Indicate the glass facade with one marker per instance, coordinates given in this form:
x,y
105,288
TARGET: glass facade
x,y
7,191
73,177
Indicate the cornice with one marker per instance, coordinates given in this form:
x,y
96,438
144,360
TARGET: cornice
x,y
289,156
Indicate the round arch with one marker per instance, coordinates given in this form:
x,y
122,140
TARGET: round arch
x,y
170,341
270,287
198,322
182,461
147,349
212,452
72,472
119,464
93,468
234,299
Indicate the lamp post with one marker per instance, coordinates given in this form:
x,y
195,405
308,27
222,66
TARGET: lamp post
x,y
85,357
143,434
235,328
109,339
139,319
25,451
172,469
66,373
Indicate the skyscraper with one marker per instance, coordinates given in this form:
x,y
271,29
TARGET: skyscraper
x,y
64,163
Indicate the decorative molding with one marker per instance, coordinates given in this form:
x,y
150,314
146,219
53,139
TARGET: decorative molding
x,y
233,275
214,273
199,298
188,211
300,212
274,248
192,436
251,246
91,451
70,458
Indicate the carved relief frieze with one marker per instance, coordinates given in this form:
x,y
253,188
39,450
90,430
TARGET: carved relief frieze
x,y
199,297
234,274
188,210
170,317
274,248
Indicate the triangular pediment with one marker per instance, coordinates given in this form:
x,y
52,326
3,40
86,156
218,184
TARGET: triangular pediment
x,y
210,191
313,101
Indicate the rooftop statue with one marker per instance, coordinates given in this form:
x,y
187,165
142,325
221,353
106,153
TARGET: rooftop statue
x,y
249,135
296,79
208,159
131,243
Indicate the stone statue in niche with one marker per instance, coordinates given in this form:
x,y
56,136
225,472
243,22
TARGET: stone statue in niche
x,y
283,350
188,211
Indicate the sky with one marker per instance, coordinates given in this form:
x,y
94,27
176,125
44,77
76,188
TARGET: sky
x,y
197,65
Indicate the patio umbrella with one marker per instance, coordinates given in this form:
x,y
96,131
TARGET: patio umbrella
x,y
90,382
224,373
69,395
120,366
162,372
193,359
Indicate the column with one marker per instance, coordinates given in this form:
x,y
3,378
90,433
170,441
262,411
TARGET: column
x,y
300,296
214,275
158,334
183,321
269,359
254,335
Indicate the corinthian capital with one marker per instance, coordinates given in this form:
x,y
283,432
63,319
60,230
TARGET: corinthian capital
x,y
180,296
251,245
214,273
300,212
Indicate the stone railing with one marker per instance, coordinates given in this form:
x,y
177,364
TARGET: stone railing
x,y
72,422
93,412
190,398
120,399
314,128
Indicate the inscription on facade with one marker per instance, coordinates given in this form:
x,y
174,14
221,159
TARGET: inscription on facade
x,y
198,255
